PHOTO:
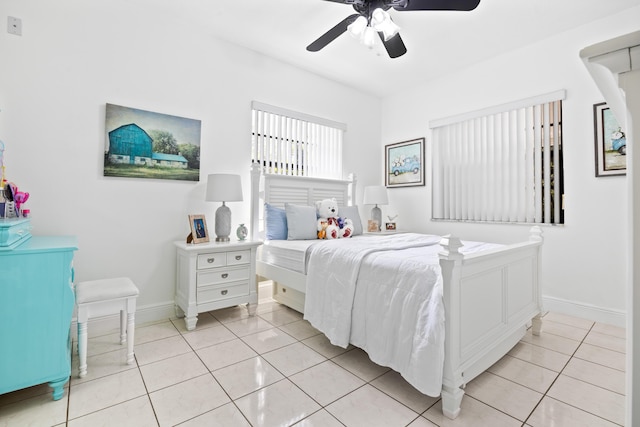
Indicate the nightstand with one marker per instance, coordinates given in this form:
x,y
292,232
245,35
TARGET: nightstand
x,y
210,276
383,232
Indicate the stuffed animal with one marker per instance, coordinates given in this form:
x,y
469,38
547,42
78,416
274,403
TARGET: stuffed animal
x,y
322,233
330,225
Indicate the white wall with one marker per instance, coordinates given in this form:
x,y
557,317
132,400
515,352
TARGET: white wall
x,y
584,261
73,57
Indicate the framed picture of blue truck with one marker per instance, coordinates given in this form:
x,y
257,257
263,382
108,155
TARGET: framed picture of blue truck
x,y
610,142
404,163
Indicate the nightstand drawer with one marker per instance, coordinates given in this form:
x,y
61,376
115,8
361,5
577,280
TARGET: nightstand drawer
x,y
238,257
215,293
212,260
220,276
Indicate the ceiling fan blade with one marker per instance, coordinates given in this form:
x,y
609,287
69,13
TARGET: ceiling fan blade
x,y
347,1
406,5
332,34
395,46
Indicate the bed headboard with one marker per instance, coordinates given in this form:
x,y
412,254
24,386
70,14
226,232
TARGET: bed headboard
x,y
301,190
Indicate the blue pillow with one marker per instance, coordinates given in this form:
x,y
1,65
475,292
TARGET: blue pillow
x,y
301,222
275,220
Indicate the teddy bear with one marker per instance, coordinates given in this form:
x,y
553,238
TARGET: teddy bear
x,y
330,225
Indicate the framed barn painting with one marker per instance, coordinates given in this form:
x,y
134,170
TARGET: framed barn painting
x,y
404,163
144,144
610,142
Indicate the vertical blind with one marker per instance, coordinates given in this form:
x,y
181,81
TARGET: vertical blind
x,y
290,143
501,164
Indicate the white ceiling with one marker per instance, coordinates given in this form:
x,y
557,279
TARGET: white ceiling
x,y
437,42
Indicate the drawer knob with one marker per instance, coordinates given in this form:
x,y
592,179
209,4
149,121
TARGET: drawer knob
x,y
238,257
225,275
224,292
211,260
284,290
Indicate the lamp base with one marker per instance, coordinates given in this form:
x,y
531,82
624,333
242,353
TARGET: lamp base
x,y
223,223
376,215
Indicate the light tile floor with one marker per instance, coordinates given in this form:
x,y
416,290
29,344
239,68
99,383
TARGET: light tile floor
x,y
274,369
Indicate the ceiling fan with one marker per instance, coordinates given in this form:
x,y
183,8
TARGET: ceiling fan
x,y
372,17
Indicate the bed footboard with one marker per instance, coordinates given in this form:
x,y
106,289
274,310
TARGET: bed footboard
x,y
489,299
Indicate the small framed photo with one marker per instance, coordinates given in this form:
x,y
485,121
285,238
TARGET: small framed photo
x,y
372,225
391,226
199,233
610,142
404,163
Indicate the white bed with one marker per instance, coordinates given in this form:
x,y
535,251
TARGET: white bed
x,y
481,300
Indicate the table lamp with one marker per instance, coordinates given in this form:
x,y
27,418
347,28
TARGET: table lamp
x,y
376,195
222,187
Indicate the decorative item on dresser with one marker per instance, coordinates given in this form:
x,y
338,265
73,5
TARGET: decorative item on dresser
x,y
223,188
376,195
199,232
36,305
215,275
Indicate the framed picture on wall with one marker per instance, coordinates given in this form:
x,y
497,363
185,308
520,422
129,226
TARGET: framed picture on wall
x,y
404,163
199,232
146,144
610,142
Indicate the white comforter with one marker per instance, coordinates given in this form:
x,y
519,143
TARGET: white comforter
x,y
384,295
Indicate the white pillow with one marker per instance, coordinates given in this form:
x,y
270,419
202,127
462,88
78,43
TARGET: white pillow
x,y
353,214
301,222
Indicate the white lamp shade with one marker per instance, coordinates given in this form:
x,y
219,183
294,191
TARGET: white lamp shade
x,y
224,187
375,195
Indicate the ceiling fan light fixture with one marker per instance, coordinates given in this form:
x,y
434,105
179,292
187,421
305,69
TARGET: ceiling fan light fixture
x,y
378,17
356,28
369,37
389,30
381,22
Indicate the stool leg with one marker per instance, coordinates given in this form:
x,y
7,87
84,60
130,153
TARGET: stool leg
x,y
82,348
131,317
77,346
123,327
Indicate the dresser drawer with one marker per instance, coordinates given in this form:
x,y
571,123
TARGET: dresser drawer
x,y
13,230
212,260
221,276
207,294
238,257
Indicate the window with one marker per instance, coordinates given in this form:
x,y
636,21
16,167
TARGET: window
x,y
502,164
290,143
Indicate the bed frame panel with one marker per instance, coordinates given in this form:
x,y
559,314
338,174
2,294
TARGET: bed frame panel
x,y
477,336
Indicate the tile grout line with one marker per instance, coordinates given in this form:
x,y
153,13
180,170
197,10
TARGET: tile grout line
x,y
560,373
322,407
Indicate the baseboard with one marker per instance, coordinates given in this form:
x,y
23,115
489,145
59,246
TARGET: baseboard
x,y
586,311
163,311
144,314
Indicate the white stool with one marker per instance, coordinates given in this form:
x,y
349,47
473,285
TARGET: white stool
x,y
101,298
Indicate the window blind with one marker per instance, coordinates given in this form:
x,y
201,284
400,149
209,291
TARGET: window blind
x,y
286,142
501,164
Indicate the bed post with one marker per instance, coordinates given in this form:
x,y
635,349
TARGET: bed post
x,y
352,196
450,265
255,196
535,235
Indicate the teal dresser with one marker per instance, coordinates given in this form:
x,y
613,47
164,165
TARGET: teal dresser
x,y
36,305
